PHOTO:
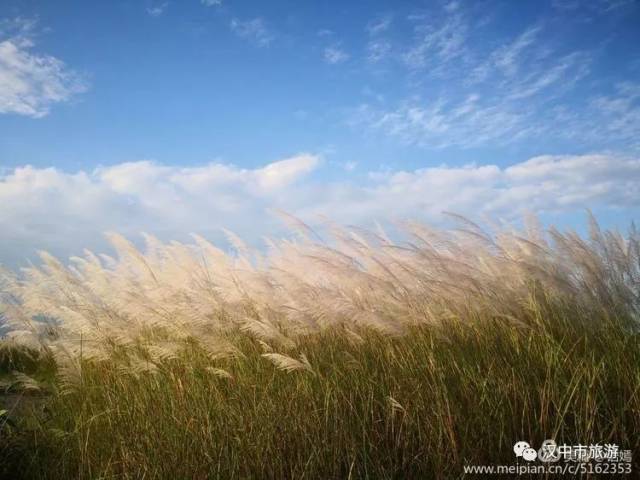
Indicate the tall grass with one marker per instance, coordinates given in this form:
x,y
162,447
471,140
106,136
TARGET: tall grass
x,y
355,357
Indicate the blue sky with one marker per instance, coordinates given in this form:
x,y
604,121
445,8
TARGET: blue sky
x,y
179,116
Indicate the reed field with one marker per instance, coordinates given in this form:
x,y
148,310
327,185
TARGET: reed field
x,y
345,353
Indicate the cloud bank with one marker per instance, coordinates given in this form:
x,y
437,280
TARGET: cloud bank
x,y
46,208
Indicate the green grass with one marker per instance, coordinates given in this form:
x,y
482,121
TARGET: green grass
x,y
421,405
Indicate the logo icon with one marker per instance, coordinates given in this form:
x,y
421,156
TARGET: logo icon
x,y
520,447
529,454
524,450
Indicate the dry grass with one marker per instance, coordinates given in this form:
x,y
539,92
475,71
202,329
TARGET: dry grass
x,y
356,357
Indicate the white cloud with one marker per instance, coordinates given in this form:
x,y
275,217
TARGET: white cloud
x,y
325,32
379,25
350,166
443,122
509,57
31,83
528,65
452,6
211,3
540,184
616,115
157,8
45,208
598,6
562,74
437,41
514,91
255,30
281,173
468,86
378,50
334,55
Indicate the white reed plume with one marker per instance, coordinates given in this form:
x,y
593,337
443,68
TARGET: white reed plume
x,y
170,293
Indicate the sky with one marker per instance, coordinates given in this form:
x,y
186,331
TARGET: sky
x,y
173,117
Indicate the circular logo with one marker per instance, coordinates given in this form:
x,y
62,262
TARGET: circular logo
x,y
529,454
